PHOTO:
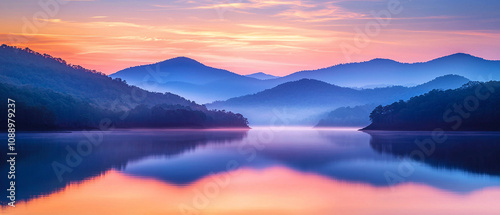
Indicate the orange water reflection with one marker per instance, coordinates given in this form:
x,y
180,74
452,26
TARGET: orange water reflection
x,y
269,191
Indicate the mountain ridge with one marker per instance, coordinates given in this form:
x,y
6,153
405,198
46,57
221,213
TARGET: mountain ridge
x,y
261,76
207,84
309,99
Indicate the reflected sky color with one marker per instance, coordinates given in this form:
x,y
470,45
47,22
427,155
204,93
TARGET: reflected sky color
x,y
289,171
247,36
255,192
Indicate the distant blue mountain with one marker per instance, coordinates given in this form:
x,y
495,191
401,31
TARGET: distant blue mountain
x,y
204,84
190,79
179,69
262,76
388,72
307,100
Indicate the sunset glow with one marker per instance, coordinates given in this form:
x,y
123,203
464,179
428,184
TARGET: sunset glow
x,y
247,36
243,107
254,192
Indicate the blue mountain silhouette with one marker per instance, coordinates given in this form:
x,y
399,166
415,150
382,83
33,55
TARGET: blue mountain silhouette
x,y
205,84
308,100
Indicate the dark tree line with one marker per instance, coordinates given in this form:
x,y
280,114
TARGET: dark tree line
x,y
474,106
42,109
165,116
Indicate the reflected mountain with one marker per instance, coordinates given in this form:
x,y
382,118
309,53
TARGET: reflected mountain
x,y
474,152
36,177
466,162
339,155
303,151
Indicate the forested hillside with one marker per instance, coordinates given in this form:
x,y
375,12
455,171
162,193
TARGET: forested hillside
x,y
51,94
472,107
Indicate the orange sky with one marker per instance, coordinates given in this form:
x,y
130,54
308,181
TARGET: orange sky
x,y
247,36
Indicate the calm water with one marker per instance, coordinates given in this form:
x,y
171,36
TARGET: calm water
x,y
260,171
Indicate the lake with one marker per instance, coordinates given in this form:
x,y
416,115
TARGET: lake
x,y
258,171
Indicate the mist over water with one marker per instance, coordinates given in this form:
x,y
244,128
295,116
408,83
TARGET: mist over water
x,y
323,165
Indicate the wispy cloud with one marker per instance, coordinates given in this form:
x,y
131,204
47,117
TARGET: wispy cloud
x,y
252,4
276,36
51,20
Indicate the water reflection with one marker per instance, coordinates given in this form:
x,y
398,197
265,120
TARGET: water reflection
x,y
341,155
35,175
291,166
474,152
270,191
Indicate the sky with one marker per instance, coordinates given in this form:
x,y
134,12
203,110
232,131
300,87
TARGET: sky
x,y
277,37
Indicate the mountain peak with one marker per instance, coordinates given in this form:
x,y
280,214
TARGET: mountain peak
x,y
307,83
261,76
445,82
459,56
182,61
382,60
449,79
451,76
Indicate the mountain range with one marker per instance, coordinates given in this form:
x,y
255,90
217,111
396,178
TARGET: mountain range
x,y
305,101
204,84
72,94
379,72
